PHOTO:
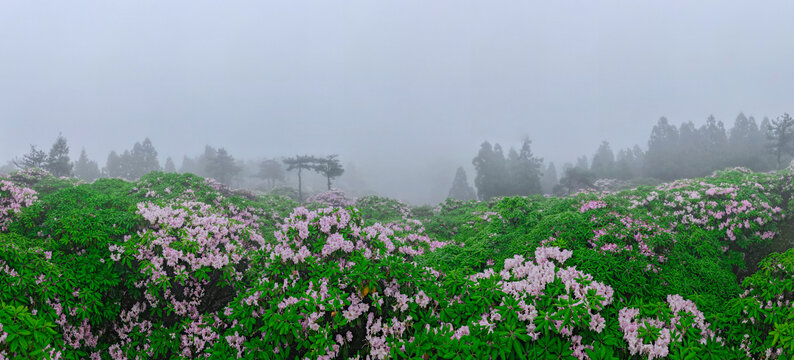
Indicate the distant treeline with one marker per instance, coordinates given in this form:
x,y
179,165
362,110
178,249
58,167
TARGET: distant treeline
x,y
685,151
133,163
212,163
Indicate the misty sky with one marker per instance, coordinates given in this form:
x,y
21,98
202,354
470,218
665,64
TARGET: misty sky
x,y
407,90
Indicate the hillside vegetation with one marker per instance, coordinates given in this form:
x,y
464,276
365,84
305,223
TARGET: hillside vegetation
x,y
178,267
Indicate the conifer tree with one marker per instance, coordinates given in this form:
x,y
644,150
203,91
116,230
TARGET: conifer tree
x,y
113,166
272,171
58,163
86,169
549,179
603,164
301,162
148,157
781,137
188,165
329,167
223,167
169,166
662,156
485,180
34,159
525,172
461,190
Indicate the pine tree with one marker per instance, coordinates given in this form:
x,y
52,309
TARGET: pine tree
x,y
113,166
691,152
204,160
223,167
34,159
128,165
188,166
603,164
624,165
485,181
746,144
512,181
526,171
301,162
549,180
141,160
461,190
574,178
58,163
330,168
272,171
86,169
501,175
781,137
169,166
715,141
148,158
661,160
581,163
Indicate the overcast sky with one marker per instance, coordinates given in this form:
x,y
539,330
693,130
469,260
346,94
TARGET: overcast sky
x,y
407,90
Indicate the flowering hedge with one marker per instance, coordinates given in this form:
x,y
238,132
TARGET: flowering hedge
x,y
176,267
12,199
334,198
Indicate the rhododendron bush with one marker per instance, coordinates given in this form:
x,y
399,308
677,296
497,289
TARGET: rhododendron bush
x,y
335,198
177,267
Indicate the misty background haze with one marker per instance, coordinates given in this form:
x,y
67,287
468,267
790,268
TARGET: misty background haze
x,y
405,92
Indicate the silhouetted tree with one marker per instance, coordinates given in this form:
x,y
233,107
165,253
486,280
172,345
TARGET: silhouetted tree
x,y
461,190
204,160
624,165
272,171
58,163
690,154
34,159
148,157
746,144
141,160
301,162
581,163
329,167
489,176
603,165
113,166
661,160
127,165
574,178
781,137
524,171
189,166
549,179
169,166
715,142
500,172
222,167
86,169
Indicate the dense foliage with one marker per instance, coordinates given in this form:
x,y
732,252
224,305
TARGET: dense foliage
x,y
177,267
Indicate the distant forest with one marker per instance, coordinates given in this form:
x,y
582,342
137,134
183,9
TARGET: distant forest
x,y
685,151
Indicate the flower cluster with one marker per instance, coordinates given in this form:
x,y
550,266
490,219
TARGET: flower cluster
x,y
526,282
333,198
181,241
12,199
591,205
659,333
343,234
721,206
618,233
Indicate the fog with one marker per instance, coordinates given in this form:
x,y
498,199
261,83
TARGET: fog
x,y
404,91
